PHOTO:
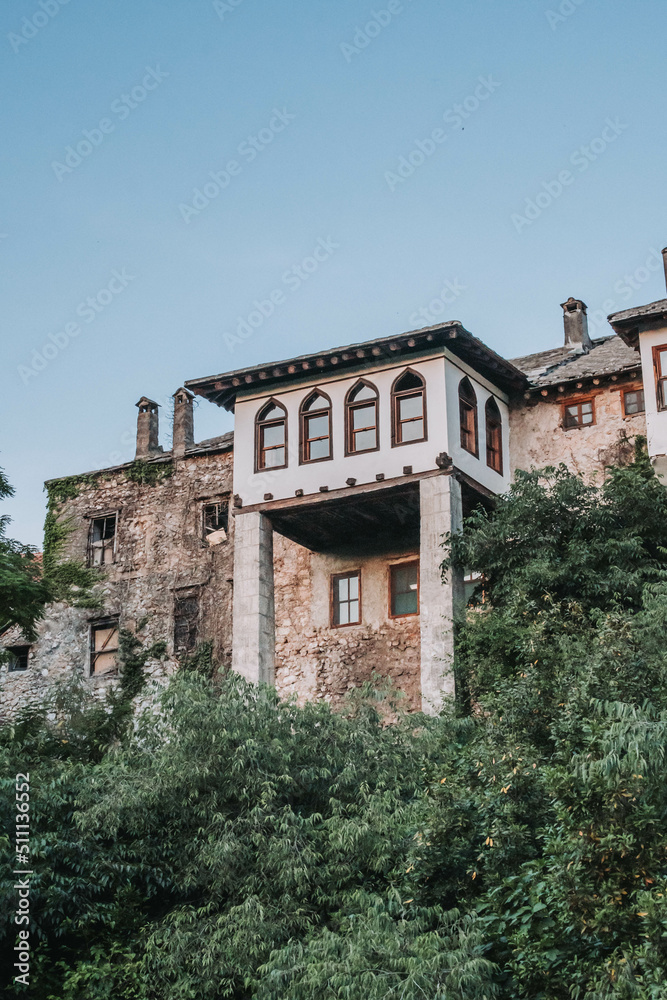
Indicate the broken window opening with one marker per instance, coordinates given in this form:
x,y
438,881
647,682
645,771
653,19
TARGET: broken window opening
x,y
104,646
404,589
18,658
214,521
186,623
102,540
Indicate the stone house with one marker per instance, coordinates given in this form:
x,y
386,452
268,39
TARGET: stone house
x,y
304,549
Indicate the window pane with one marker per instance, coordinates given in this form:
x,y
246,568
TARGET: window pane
x,y
410,406
319,449
353,582
405,604
363,416
274,457
105,637
413,431
274,413
273,435
317,403
364,440
343,588
353,614
363,392
105,662
634,401
404,589
317,426
662,362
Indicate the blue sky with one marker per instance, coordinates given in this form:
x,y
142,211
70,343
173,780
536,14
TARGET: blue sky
x,y
406,137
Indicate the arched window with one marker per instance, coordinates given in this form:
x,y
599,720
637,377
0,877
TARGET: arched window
x,y
468,417
494,435
361,418
271,437
316,427
408,409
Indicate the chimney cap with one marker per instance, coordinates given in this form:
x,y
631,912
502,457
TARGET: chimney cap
x,y
572,304
147,404
187,392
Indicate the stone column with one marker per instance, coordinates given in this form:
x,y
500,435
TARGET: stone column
x,y
440,511
253,627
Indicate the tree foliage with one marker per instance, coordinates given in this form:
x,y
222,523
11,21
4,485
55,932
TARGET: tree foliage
x,y
23,593
515,847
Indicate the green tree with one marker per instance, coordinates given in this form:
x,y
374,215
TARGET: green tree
x,y
23,592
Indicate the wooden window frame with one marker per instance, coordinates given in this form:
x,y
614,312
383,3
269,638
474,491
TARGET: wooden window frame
x,y
350,406
332,598
89,547
396,397
222,502
259,426
578,402
99,625
473,408
626,392
390,576
304,416
660,392
496,424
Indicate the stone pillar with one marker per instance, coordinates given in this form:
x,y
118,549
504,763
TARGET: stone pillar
x,y
253,627
440,511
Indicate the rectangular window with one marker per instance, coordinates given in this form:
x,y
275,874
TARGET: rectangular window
x,y
18,657
660,368
102,540
494,445
346,599
633,402
363,421
316,437
104,646
404,589
214,522
186,623
580,414
468,418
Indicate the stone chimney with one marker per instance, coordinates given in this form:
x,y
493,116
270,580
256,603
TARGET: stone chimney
x,y
575,321
183,436
147,429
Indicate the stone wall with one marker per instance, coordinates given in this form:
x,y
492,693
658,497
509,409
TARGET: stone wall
x,y
538,439
160,552
316,661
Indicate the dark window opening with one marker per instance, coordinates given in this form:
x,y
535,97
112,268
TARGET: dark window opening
x,y
408,409
102,540
494,436
346,599
18,657
468,417
186,623
581,414
633,401
104,646
404,589
316,428
271,441
214,516
362,419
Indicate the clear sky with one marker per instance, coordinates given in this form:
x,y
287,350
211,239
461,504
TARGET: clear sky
x,y
317,121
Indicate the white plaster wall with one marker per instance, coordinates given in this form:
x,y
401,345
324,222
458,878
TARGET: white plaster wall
x,y
477,468
282,483
656,421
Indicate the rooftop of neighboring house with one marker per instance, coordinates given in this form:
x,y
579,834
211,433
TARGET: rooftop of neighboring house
x,y
606,356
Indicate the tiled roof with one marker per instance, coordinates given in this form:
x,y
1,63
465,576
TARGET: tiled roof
x,y
607,356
